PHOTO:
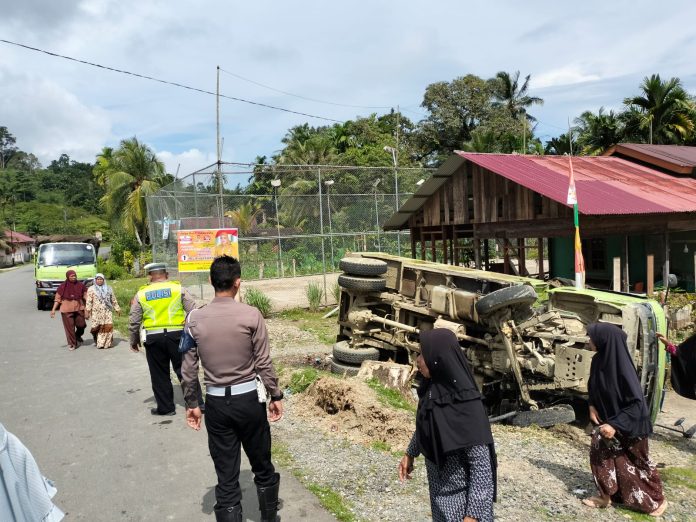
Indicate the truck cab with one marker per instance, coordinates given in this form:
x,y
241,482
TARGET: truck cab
x,y
53,260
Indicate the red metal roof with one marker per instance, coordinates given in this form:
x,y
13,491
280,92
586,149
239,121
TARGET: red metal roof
x,y
676,158
604,184
18,237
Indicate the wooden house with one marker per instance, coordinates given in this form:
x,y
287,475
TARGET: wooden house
x,y
637,218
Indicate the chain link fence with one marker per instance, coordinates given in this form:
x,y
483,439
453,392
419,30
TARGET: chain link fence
x,y
292,220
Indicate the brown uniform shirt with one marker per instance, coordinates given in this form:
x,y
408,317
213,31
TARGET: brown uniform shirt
x,y
135,319
232,344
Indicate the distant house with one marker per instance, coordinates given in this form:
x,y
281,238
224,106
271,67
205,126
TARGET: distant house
x,y
15,248
637,209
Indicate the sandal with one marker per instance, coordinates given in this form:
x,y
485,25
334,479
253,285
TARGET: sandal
x,y
660,509
71,348
596,502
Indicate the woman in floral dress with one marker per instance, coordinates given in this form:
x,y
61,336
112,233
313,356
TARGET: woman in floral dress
x,y
621,467
101,303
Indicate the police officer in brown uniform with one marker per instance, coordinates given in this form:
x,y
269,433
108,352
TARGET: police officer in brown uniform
x,y
232,344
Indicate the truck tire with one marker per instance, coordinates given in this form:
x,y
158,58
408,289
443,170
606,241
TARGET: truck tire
x,y
561,414
344,353
344,369
362,284
362,266
512,296
40,303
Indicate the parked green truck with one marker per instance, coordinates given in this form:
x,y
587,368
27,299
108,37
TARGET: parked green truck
x,y
53,260
525,339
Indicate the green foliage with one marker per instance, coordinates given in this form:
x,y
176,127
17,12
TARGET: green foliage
x,y
332,502
120,244
128,260
300,380
314,293
676,476
255,297
48,218
336,291
125,290
111,270
390,397
380,445
312,322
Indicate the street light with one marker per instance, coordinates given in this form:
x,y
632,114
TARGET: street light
x,y
275,183
392,150
374,186
328,184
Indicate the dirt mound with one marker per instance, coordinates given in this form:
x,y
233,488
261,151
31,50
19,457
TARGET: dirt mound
x,y
348,407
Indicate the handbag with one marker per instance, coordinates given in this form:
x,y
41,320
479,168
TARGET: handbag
x,y
186,342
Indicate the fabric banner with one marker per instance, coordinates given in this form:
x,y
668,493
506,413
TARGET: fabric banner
x,y
196,249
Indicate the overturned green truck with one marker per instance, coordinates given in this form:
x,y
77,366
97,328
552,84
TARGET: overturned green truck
x,y
526,341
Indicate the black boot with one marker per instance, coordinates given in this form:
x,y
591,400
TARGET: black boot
x,y
229,514
268,501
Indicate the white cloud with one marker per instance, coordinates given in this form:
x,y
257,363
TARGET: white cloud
x,y
48,120
566,75
185,162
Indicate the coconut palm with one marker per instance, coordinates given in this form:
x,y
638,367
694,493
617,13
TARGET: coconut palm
x,y
508,93
663,112
244,217
132,173
598,132
561,145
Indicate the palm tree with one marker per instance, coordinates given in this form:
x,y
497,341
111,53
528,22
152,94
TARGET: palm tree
x,y
509,94
132,173
561,145
664,111
244,217
598,132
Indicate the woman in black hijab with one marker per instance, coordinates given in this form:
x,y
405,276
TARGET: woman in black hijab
x,y
622,470
683,366
452,433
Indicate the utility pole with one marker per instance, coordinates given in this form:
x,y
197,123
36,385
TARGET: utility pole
x,y
219,152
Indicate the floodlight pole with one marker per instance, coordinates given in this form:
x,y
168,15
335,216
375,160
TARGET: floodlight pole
x,y
328,184
276,184
321,231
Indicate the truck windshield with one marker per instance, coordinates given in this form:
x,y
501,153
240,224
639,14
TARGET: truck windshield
x,y
66,255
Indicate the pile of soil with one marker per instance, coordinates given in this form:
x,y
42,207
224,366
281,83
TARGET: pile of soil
x,y
350,408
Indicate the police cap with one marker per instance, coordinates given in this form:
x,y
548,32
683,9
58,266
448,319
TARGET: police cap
x,y
155,267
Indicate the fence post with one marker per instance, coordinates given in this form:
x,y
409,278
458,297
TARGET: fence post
x,y
294,273
261,270
617,275
650,276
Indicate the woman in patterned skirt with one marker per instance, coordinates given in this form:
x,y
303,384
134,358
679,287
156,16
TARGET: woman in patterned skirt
x,y
452,433
101,303
621,467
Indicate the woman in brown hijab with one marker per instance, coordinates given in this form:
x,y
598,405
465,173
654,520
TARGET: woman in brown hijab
x,y
70,297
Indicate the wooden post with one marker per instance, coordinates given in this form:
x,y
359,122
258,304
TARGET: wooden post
x,y
477,253
506,257
261,270
445,247
433,250
650,275
540,256
521,257
486,255
626,276
617,275
294,267
413,244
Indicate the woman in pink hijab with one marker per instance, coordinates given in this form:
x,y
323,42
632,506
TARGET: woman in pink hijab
x,y
70,297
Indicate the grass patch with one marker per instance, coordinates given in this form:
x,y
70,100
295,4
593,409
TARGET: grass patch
x,y
390,397
380,445
633,515
255,297
323,329
328,498
301,379
314,293
675,476
124,290
332,502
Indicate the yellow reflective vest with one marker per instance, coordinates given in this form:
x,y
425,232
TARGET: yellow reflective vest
x,y
162,305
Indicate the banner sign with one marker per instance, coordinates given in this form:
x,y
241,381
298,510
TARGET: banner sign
x,y
196,249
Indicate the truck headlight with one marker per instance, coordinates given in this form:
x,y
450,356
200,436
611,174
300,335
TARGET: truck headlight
x,y
43,284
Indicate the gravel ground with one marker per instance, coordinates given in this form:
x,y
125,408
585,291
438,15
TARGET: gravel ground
x,y
542,473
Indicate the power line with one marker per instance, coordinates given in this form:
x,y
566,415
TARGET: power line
x,y
167,82
305,97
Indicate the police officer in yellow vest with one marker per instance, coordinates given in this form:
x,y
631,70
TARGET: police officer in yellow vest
x,y
158,312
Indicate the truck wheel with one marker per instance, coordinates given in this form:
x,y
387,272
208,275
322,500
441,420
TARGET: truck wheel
x,y
344,353
512,296
561,414
362,284
344,369
40,303
364,266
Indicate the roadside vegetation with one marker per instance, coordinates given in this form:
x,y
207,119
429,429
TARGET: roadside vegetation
x,y
312,322
124,291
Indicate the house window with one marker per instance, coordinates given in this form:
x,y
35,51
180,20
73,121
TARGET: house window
x,y
594,252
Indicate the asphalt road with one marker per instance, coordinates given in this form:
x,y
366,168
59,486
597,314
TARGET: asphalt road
x,y
85,416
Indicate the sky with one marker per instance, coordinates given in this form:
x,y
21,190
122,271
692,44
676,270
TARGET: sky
x,y
359,57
